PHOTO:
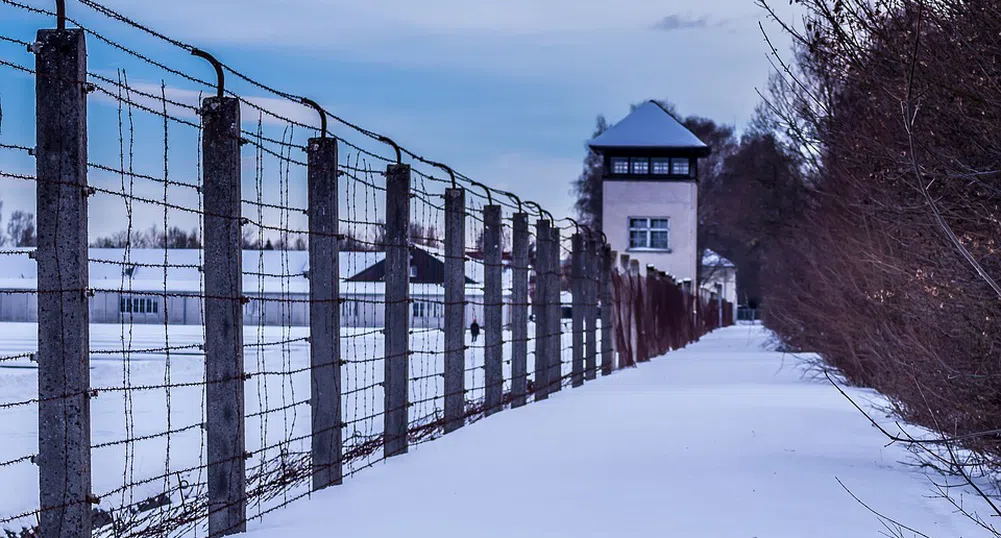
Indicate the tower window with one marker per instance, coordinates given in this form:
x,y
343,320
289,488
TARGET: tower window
x,y
650,233
640,166
679,167
620,165
661,166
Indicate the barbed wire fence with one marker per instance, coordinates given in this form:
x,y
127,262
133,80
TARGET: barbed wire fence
x,y
330,307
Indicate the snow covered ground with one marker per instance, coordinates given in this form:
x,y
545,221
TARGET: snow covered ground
x,y
722,439
135,458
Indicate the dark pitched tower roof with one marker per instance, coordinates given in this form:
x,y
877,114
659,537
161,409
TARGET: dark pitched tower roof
x,y
649,126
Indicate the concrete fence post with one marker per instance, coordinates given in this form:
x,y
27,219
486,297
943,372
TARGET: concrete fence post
x,y
64,472
324,313
519,309
637,310
649,329
455,308
626,311
540,308
223,268
719,304
577,321
607,309
556,312
493,309
397,322
591,262
690,301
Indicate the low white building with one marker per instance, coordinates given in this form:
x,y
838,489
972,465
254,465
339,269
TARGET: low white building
x,y
156,286
719,271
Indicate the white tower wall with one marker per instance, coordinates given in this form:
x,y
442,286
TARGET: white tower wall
x,y
675,200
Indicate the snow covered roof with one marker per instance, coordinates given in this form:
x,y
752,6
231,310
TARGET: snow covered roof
x,y
712,259
649,126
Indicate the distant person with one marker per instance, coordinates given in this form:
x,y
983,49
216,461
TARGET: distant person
x,y
474,330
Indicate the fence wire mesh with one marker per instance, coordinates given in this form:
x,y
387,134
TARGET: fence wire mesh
x,y
529,323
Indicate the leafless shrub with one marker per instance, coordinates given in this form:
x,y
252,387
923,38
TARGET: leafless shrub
x,y
889,267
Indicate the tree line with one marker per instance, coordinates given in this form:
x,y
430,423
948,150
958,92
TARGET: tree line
x,y
888,265
20,232
178,238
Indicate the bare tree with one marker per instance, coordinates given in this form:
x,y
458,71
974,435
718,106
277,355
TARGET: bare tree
x,y
251,239
21,229
425,235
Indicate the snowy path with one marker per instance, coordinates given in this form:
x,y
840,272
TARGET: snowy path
x,y
722,439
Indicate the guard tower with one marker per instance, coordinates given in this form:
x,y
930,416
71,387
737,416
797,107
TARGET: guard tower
x,y
649,189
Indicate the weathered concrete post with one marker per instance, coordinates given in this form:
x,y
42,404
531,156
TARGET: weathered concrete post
x,y
628,310
690,303
541,308
605,290
397,361
223,268
719,305
64,472
324,313
577,288
636,310
647,335
455,308
556,315
493,310
591,280
519,309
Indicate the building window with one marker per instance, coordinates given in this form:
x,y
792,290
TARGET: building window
x,y
661,166
426,309
649,233
138,305
679,167
620,165
639,166
349,308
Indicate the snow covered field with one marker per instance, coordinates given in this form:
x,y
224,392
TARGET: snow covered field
x,y
722,439
278,418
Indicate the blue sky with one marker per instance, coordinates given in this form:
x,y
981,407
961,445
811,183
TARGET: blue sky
x,y
505,91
